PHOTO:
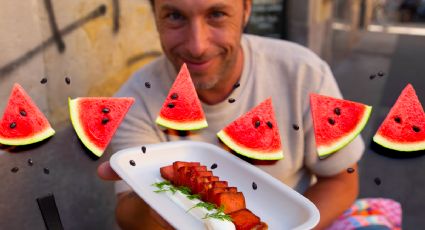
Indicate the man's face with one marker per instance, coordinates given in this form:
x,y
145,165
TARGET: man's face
x,y
204,34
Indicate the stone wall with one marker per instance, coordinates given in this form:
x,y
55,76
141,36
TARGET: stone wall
x,y
97,44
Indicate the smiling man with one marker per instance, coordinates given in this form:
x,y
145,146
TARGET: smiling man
x,y
208,36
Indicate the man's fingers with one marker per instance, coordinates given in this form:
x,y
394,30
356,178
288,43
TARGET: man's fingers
x,y
161,221
105,172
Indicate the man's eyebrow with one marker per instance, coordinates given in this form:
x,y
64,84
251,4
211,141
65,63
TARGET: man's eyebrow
x,y
168,7
219,6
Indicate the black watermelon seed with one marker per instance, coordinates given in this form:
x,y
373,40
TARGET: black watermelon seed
x,y
12,125
254,186
46,170
147,84
143,149
170,105
105,120
350,170
67,80
43,80
416,129
269,124
214,166
105,110
397,119
132,163
14,169
231,100
381,74
337,111
257,124
296,127
236,85
331,121
372,76
23,113
174,96
30,162
377,181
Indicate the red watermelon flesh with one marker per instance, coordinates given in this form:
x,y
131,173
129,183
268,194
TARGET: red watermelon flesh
x,y
336,122
404,127
182,109
22,122
255,134
95,119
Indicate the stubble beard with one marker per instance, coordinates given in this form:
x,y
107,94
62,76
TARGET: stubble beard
x,y
206,85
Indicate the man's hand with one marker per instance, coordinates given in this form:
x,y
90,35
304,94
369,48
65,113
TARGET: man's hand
x,y
131,211
105,172
333,195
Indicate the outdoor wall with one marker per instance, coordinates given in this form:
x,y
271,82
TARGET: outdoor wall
x,y
309,24
96,44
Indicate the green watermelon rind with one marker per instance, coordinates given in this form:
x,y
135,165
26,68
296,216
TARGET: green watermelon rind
x,y
402,147
248,152
176,125
325,151
76,123
42,135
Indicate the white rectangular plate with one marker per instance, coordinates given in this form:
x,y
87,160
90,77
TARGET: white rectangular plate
x,y
275,203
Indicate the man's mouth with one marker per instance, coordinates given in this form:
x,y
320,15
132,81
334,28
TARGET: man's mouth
x,y
197,66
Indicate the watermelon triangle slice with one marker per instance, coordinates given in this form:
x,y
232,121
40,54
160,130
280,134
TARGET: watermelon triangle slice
x,y
336,122
95,119
182,109
23,123
255,134
404,127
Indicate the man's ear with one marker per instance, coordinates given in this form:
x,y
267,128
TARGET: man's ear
x,y
247,11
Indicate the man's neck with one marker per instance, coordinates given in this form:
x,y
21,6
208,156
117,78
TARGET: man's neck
x,y
223,89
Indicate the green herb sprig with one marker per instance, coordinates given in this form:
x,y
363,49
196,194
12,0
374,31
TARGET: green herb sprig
x,y
216,213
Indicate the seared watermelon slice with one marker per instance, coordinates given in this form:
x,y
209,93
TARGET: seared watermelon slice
x,y
336,122
255,134
95,119
22,122
404,127
182,109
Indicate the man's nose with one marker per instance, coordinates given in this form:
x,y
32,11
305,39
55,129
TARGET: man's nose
x,y
198,41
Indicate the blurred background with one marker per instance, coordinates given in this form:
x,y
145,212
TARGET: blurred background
x,y
98,44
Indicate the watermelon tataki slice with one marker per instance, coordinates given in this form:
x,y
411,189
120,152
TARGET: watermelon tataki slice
x,y
336,122
95,119
404,127
255,134
22,122
182,109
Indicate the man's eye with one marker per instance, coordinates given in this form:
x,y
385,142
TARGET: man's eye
x,y
175,16
217,14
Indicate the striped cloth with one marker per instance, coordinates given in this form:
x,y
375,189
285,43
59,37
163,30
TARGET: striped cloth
x,y
370,212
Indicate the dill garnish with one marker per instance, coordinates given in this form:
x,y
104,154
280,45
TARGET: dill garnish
x,y
218,215
206,205
215,212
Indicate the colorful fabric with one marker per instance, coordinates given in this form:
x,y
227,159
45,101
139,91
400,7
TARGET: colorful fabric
x,y
370,212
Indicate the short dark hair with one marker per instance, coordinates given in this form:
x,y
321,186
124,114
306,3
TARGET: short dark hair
x,y
152,2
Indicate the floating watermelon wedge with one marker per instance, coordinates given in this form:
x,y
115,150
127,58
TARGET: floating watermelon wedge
x,y
336,122
22,122
404,127
95,119
182,109
255,134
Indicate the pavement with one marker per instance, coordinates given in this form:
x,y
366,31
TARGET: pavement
x,y
400,58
